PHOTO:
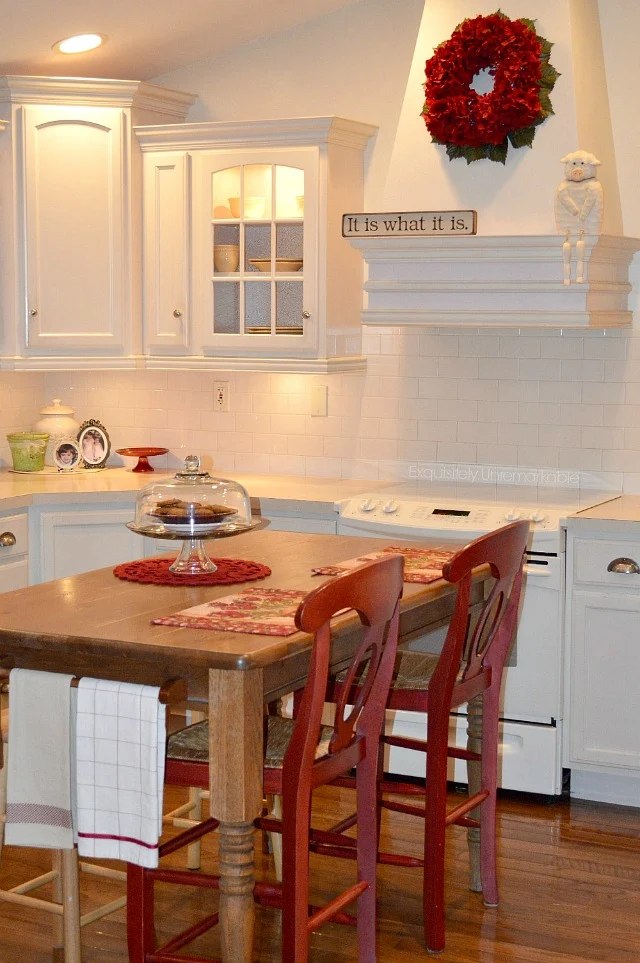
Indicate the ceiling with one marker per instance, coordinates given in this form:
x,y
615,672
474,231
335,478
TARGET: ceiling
x,y
146,40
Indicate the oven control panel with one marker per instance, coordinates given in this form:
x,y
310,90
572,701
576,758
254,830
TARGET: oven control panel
x,y
403,515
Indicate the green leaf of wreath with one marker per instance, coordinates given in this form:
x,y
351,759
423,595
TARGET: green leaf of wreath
x,y
548,76
497,152
523,137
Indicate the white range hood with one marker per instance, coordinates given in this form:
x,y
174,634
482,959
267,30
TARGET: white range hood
x,y
495,281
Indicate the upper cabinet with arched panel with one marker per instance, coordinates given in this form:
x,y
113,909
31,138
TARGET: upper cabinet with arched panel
x,y
245,264
70,228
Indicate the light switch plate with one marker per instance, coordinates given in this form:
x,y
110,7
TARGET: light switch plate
x,y
221,396
319,400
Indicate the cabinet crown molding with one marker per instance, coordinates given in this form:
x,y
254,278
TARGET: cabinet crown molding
x,y
496,281
80,91
239,135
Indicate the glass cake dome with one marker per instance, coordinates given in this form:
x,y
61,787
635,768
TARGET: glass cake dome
x,y
193,505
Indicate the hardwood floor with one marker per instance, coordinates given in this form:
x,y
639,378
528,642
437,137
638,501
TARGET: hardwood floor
x,y
569,874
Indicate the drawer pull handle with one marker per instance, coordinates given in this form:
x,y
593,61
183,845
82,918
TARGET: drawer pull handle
x,y
624,566
7,539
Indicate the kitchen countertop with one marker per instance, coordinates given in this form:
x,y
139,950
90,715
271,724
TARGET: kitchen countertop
x,y
620,516
288,492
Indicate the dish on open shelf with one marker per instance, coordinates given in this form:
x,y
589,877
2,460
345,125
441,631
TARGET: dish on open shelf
x,y
281,263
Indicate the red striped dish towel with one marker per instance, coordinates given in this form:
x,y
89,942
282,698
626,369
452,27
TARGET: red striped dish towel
x,y
40,760
120,746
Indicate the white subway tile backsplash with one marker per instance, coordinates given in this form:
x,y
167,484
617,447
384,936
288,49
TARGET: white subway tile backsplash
x,y
518,348
512,434
539,369
437,388
567,399
497,454
479,390
477,432
559,391
583,370
456,452
614,348
500,368
438,346
518,391
582,415
561,347
458,368
457,410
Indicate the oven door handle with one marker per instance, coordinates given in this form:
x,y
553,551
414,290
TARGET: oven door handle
x,y
539,571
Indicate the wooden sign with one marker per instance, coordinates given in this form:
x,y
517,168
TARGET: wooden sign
x,y
409,224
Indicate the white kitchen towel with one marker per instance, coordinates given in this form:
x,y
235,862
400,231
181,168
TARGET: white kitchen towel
x,y
40,763
120,750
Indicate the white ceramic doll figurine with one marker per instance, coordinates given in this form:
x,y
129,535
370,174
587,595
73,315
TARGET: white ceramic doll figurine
x,y
578,207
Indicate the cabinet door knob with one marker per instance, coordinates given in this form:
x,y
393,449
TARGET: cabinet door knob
x,y
624,566
177,313
7,539
33,312
306,314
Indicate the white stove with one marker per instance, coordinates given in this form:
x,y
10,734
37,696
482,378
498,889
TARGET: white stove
x,y
532,695
413,516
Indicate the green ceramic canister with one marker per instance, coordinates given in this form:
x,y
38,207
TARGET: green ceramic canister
x,y
28,449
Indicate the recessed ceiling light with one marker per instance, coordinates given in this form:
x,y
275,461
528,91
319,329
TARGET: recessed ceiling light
x,y
80,43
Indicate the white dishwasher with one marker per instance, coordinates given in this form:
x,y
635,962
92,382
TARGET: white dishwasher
x,y
532,709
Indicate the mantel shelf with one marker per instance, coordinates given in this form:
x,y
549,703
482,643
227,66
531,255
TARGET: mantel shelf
x,y
496,281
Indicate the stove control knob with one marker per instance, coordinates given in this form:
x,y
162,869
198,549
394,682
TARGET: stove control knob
x,y
513,515
367,505
390,507
537,516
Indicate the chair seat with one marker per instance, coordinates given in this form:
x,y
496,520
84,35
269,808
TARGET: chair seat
x,y
413,670
192,744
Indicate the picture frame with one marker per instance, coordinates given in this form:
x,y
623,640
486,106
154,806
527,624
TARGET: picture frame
x,y
66,454
94,444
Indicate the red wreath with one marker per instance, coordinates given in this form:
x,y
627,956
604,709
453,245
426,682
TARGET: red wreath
x,y
473,125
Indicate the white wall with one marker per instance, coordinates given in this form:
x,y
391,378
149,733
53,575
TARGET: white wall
x,y
543,400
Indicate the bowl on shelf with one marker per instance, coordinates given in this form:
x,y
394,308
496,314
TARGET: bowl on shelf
x,y
281,263
143,455
253,206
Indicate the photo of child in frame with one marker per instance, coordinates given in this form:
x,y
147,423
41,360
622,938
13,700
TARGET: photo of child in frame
x,y
94,444
66,455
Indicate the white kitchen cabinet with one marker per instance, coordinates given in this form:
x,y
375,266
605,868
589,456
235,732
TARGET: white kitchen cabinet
x,y
286,292
70,175
603,625
14,549
69,540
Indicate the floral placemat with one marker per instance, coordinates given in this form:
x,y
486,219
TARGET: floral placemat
x,y
256,611
420,564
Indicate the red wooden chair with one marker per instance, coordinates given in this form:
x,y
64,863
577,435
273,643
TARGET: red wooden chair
x,y
468,670
314,755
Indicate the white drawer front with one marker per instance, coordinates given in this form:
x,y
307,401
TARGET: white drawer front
x,y
593,555
18,526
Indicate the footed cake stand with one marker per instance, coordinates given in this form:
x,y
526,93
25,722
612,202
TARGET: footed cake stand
x,y
193,558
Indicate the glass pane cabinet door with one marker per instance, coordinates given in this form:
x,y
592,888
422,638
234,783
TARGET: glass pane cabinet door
x,y
258,232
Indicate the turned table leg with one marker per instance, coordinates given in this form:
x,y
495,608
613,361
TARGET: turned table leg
x,y
235,773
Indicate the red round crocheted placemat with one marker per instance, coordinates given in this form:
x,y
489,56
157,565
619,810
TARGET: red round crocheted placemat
x,y
156,571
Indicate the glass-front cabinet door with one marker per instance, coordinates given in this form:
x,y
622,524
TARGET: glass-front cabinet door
x,y
255,252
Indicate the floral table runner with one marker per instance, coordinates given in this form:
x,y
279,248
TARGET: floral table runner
x,y
258,611
420,564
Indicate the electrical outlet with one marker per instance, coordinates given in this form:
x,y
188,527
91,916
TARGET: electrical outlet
x,y
221,396
319,400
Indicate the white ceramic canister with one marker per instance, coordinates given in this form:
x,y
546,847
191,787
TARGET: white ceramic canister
x,y
57,419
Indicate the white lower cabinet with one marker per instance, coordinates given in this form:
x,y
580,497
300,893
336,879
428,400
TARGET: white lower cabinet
x,y
14,552
68,541
313,524
603,623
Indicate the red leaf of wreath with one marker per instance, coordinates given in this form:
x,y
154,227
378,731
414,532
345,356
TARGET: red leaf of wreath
x,y
477,126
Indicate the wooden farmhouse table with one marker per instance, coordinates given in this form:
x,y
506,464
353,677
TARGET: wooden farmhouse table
x,y
95,624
